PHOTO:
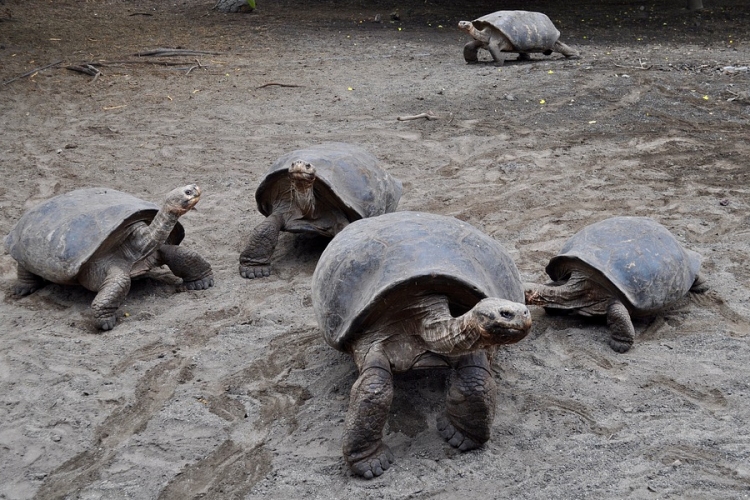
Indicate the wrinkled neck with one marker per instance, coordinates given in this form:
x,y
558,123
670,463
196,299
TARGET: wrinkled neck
x,y
480,35
575,292
159,229
445,334
303,197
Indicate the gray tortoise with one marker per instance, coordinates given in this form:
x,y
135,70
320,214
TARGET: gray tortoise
x,y
513,31
412,290
619,267
319,190
101,238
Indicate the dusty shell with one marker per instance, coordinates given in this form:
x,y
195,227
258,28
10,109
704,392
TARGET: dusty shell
x,y
376,262
639,258
55,238
526,31
345,173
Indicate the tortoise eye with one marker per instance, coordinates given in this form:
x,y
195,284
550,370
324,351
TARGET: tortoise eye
x,y
189,192
506,314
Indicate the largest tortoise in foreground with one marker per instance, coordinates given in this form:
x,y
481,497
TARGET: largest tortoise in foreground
x,y
616,268
101,238
513,31
413,290
317,190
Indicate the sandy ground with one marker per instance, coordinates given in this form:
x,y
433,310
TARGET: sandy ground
x,y
231,392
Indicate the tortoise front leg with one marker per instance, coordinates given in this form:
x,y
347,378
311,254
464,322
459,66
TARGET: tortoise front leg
x,y
620,325
471,49
470,408
255,260
497,53
195,271
28,282
111,294
369,402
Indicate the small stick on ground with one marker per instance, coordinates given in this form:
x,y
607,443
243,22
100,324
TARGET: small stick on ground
x,y
87,69
427,116
197,65
173,52
29,73
271,84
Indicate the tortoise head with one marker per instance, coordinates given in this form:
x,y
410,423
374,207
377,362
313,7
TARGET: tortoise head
x,y
500,321
181,200
302,177
466,25
301,171
477,31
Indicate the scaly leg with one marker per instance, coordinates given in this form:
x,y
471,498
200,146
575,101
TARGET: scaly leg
x,y
497,53
255,260
28,282
470,408
111,294
621,328
369,402
187,264
565,50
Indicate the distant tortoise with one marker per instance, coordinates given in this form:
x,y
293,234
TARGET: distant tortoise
x,y
513,31
319,190
413,290
101,238
619,267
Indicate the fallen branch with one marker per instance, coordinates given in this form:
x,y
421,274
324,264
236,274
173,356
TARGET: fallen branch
x,y
29,73
173,52
197,65
120,63
427,116
87,69
271,84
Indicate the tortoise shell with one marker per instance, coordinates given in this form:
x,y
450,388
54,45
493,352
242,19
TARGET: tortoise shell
x,y
526,31
346,174
376,262
639,258
58,236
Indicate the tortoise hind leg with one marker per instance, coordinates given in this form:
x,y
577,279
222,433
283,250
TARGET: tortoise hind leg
x,y
188,264
255,259
565,50
28,282
369,402
622,333
470,408
111,294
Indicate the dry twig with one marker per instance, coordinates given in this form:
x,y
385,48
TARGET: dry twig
x,y
271,84
427,116
173,52
33,71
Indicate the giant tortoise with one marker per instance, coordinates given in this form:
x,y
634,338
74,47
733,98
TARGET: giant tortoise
x,y
513,31
318,190
411,290
619,267
101,238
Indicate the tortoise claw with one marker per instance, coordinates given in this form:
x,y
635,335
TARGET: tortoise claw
x,y
619,345
252,272
455,438
375,464
106,323
200,284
